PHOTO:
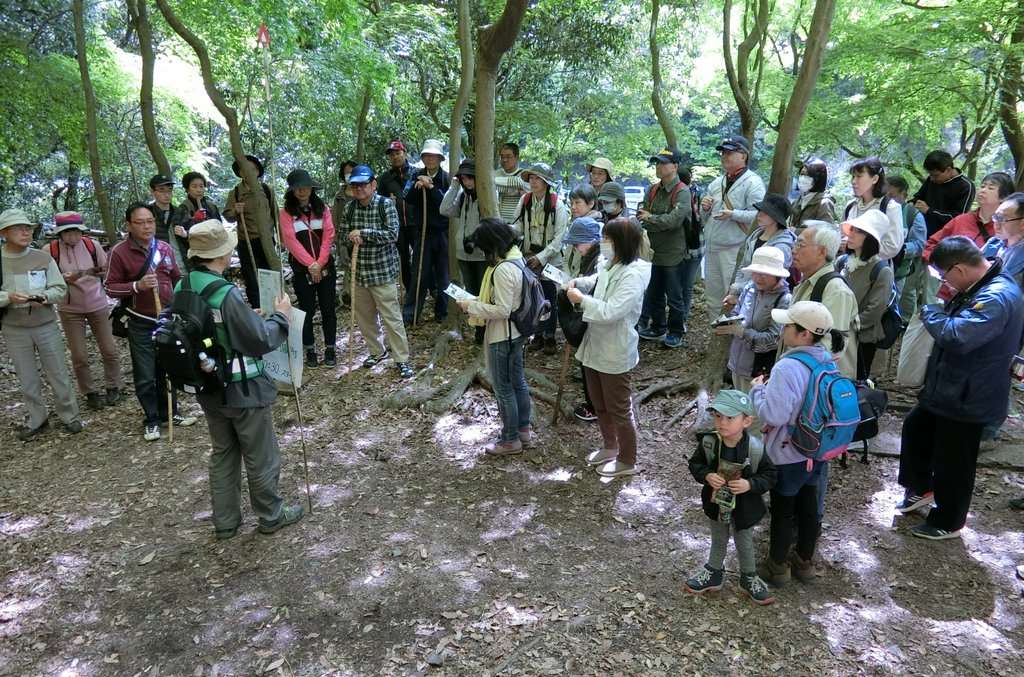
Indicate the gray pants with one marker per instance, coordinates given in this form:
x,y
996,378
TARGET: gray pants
x,y
743,540
23,343
243,435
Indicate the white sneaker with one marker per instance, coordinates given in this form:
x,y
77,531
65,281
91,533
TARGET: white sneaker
x,y
616,469
602,456
151,433
182,421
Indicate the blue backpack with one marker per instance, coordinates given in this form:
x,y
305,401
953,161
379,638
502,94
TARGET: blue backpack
x,y
830,412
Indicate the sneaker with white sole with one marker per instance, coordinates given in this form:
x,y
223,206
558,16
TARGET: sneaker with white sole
x,y
507,448
926,530
526,436
151,433
616,469
652,334
912,501
584,413
756,589
602,456
182,421
705,580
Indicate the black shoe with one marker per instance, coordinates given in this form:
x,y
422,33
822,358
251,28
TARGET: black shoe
x,y
225,534
329,358
374,360
550,346
584,413
311,361
94,401
26,433
536,343
113,396
405,370
290,514
1017,503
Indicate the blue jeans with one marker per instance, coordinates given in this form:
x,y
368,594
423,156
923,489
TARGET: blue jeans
x,y
148,376
665,282
505,359
688,270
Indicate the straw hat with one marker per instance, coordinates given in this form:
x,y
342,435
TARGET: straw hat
x,y
210,240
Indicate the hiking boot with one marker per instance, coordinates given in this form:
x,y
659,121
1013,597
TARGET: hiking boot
x,y
775,573
151,433
649,334
329,358
756,589
705,580
1017,503
500,448
74,427
225,534
602,456
584,412
113,396
912,501
526,436
616,469
25,433
311,361
672,341
803,569
290,514
94,401
926,530
405,370
374,360
536,343
550,346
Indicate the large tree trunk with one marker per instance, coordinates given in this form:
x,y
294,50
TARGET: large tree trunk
x,y
738,73
1009,98
492,43
656,85
71,194
92,146
249,175
364,114
455,128
803,88
140,19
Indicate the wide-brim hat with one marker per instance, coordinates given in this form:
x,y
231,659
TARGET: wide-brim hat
x,y
810,315
467,168
210,240
873,222
68,221
15,217
602,163
300,178
769,261
433,147
542,171
251,158
775,206
612,191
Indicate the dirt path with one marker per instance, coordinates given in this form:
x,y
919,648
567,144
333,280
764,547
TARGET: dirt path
x,y
422,551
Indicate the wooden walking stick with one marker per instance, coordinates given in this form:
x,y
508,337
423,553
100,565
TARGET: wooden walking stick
x,y
248,244
419,273
167,381
562,375
352,294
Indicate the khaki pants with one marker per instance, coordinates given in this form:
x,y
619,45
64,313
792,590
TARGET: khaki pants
x,y
74,330
23,343
719,267
381,300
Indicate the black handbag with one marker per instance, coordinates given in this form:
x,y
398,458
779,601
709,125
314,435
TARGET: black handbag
x,y
570,317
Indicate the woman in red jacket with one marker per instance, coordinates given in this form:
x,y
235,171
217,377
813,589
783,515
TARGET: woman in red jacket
x,y
977,224
308,234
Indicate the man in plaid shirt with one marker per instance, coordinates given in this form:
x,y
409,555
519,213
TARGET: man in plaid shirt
x,y
372,223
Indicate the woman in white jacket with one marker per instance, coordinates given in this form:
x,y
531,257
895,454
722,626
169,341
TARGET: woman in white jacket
x,y
612,300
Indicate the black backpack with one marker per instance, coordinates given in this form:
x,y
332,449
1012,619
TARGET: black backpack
x,y
534,308
187,330
892,321
570,319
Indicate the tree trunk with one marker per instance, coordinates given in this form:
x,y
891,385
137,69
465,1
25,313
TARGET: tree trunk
x,y
140,19
71,194
659,108
364,114
738,73
803,88
92,146
455,128
493,42
1009,98
249,175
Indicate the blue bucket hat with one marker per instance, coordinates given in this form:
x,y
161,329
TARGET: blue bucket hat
x,y
361,174
584,230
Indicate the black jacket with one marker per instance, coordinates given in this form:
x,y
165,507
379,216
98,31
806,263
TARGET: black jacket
x,y
391,184
436,221
945,200
749,506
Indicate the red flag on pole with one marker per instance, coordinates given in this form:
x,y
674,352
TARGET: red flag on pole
x,y
263,37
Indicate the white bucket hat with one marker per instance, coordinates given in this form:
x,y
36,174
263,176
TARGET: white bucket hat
x,y
210,240
603,163
768,260
810,315
433,147
873,222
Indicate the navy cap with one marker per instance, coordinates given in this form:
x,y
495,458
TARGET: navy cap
x,y
666,155
361,174
735,143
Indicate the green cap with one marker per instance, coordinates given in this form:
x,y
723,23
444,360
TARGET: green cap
x,y
732,403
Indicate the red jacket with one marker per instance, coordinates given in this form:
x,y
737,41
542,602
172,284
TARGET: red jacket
x,y
126,259
968,225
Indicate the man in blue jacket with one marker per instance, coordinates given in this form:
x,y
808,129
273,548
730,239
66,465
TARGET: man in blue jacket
x,y
423,194
967,385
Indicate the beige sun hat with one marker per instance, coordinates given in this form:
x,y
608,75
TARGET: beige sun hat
x,y
433,147
15,217
768,260
210,240
810,315
603,163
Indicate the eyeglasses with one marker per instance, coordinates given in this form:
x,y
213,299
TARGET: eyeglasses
x,y
21,227
144,222
942,275
1001,218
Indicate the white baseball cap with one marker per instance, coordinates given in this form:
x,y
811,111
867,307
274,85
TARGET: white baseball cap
x,y
768,260
810,315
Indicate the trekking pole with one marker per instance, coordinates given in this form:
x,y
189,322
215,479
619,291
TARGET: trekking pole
x,y
562,375
248,244
352,295
419,273
302,441
167,381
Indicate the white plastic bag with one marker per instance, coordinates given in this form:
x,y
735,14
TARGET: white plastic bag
x,y
914,353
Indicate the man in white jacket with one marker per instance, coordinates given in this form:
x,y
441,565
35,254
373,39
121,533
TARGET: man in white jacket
x,y
727,212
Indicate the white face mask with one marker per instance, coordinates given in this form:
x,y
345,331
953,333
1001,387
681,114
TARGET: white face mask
x,y
606,251
804,184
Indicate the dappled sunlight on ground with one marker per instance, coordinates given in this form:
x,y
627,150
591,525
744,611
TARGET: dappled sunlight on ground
x,y
22,526
470,439
509,522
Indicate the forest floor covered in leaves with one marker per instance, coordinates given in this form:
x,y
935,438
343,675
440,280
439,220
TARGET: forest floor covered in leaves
x,y
423,555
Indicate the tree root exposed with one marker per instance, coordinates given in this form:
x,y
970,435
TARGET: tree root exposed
x,y
668,386
457,390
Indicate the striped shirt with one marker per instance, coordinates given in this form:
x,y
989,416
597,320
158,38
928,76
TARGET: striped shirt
x,y
378,255
510,188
